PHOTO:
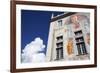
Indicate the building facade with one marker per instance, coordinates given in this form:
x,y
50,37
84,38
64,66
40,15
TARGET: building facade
x,y
69,37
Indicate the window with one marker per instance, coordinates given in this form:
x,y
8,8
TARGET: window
x,y
81,48
60,23
59,49
60,37
80,43
59,53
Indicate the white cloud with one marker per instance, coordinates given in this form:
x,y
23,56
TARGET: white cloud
x,y
40,57
31,51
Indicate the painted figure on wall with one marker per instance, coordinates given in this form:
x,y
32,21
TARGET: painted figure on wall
x,y
88,38
70,46
88,42
74,20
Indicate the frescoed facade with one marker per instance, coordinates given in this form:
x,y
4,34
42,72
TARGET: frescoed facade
x,y
69,37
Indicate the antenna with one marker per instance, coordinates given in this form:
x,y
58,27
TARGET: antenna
x,y
52,16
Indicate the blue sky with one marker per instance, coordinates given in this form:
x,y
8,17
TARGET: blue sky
x,y
35,24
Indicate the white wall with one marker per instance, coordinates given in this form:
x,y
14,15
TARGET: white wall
x,y
5,36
